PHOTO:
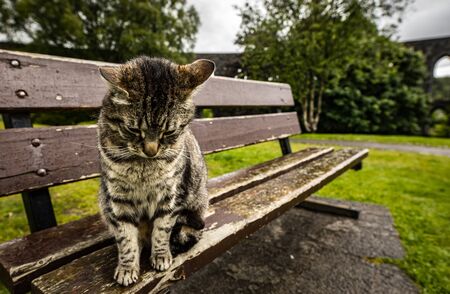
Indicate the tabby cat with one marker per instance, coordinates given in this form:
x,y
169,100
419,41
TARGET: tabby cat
x,y
153,184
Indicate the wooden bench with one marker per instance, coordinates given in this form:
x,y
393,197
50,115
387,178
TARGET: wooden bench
x,y
79,257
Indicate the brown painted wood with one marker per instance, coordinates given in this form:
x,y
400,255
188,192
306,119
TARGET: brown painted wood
x,y
52,82
38,204
68,154
64,154
229,221
24,259
231,183
218,134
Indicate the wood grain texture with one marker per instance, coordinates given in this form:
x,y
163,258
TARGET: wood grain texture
x,y
69,154
38,204
228,222
231,183
218,134
65,83
66,154
26,258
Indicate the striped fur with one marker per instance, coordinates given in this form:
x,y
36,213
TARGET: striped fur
x,y
153,173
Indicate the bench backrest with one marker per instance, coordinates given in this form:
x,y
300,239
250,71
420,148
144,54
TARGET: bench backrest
x,y
42,157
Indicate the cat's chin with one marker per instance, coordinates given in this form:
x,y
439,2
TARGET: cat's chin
x,y
145,156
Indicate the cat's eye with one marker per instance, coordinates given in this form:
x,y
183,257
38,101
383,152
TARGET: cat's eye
x,y
170,133
133,130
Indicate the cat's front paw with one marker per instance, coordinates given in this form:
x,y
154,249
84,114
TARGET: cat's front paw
x,y
161,261
125,275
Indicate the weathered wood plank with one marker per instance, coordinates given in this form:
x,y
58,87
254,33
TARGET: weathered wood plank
x,y
31,256
229,221
51,82
38,203
231,183
43,157
23,259
218,134
49,156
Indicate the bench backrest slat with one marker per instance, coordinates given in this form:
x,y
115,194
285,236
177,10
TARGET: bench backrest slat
x,y
56,83
69,154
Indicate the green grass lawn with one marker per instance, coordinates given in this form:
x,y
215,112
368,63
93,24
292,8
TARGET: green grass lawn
x,y
415,140
416,189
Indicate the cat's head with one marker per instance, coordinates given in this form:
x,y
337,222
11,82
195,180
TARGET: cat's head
x,y
149,104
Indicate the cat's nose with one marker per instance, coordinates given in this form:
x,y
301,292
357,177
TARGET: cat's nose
x,y
151,148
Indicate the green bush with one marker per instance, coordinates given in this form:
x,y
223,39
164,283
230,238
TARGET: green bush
x,y
62,118
382,93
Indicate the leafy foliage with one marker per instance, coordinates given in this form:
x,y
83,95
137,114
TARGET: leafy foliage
x,y
112,30
329,50
441,89
379,93
440,116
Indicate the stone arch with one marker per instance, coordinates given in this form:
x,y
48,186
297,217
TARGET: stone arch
x,y
445,58
442,103
433,49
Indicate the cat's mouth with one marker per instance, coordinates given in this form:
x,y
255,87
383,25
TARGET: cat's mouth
x,y
161,154
142,154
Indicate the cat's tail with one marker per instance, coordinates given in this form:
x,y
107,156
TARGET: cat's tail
x,y
186,232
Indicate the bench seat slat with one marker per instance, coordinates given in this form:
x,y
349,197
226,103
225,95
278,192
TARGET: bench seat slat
x,y
69,153
67,83
228,222
23,259
33,255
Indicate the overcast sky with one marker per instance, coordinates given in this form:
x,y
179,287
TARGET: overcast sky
x,y
220,23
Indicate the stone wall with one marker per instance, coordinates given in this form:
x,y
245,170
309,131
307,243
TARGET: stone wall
x,y
227,64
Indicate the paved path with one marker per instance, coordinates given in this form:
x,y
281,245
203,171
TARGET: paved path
x,y
306,252
384,146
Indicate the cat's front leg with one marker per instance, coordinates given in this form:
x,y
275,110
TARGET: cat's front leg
x,y
127,270
161,258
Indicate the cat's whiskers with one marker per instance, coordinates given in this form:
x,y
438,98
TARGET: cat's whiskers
x,y
177,153
118,152
123,155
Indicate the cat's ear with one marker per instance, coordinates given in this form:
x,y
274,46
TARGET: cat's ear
x,y
199,71
111,74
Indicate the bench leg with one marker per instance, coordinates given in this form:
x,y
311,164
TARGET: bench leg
x,y
285,146
358,166
322,207
39,209
38,204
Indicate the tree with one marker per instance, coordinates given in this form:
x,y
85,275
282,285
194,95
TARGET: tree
x,y
381,92
111,30
441,89
308,44
440,116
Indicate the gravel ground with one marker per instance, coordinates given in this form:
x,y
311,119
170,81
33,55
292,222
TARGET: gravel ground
x,y
383,146
307,252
